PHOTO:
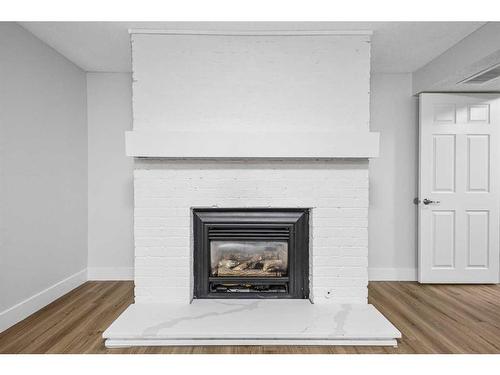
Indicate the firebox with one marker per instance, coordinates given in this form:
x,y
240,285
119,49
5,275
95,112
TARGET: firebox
x,y
251,253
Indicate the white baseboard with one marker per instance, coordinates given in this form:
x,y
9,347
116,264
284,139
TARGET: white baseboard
x,y
34,303
110,273
392,274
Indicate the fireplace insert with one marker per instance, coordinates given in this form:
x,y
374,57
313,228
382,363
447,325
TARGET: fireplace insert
x,y
251,253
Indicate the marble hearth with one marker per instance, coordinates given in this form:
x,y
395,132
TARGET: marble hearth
x,y
251,322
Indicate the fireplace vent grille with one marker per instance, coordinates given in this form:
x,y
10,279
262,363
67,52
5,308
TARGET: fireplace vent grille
x,y
246,232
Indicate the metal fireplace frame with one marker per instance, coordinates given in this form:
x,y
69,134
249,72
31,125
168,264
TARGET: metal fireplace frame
x,y
264,224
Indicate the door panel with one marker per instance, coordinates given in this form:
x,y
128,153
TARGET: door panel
x,y
459,177
443,234
443,162
478,238
444,113
479,113
478,163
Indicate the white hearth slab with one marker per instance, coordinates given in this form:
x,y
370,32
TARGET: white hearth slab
x,y
250,322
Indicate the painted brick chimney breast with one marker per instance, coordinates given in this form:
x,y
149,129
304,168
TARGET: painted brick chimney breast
x,y
265,85
335,191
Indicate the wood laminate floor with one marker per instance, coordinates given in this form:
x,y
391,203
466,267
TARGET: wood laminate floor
x,y
432,319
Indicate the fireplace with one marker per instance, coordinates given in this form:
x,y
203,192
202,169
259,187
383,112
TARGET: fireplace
x,y
198,144
251,253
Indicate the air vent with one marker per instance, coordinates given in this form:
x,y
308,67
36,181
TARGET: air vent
x,y
484,76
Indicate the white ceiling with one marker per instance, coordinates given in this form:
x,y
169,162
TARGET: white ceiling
x,y
397,47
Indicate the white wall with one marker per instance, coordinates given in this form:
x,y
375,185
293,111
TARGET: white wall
x,y
251,83
110,181
43,174
393,179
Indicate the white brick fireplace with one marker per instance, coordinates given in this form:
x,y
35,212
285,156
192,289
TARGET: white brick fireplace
x,y
251,120
336,191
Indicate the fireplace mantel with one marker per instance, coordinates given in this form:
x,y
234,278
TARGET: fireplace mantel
x,y
225,144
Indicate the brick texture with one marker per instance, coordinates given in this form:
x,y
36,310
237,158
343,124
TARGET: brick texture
x,y
335,191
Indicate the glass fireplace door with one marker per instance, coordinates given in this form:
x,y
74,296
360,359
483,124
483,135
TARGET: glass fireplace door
x,y
240,258
249,258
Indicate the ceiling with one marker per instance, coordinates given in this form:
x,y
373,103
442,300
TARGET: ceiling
x,y
397,47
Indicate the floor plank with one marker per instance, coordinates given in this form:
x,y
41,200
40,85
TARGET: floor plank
x,y
432,319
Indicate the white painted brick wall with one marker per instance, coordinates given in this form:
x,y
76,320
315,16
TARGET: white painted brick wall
x,y
336,192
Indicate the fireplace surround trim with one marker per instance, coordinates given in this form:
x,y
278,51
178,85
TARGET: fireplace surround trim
x,y
294,224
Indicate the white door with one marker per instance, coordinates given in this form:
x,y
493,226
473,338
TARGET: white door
x,y
459,188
